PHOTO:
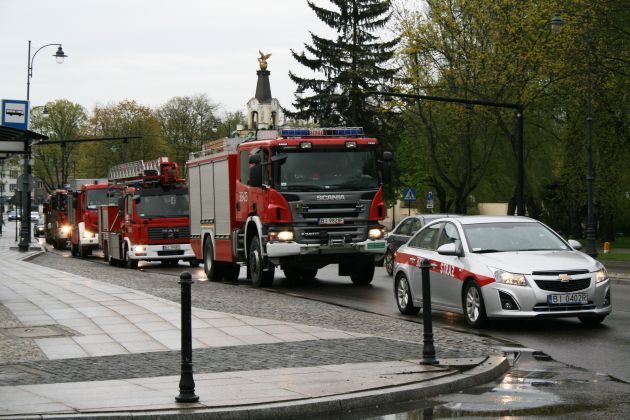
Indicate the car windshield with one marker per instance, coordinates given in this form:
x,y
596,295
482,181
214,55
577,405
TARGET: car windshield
x,y
328,170
96,198
512,236
163,203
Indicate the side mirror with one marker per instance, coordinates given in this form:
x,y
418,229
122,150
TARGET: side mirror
x,y
388,158
254,159
454,249
575,244
255,176
121,206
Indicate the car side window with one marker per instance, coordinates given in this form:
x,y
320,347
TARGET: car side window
x,y
415,226
426,238
405,228
449,235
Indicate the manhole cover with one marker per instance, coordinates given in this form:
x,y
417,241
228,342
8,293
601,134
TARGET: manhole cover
x,y
36,332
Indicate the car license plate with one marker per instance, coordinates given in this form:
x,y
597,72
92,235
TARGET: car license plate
x,y
174,247
568,299
331,221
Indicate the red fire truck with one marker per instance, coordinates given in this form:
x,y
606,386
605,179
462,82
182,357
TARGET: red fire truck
x,y
298,198
150,218
58,229
83,217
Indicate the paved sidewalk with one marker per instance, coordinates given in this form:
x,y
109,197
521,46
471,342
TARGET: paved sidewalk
x,y
73,347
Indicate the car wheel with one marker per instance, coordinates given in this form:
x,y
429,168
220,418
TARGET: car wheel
x,y
389,262
363,271
473,306
256,264
209,265
591,320
404,300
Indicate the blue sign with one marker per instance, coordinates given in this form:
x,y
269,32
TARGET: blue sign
x,y
430,200
409,194
15,114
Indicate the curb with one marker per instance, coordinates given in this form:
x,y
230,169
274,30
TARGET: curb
x,y
490,369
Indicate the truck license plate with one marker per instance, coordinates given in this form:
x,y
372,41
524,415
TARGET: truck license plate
x,y
331,221
570,299
173,247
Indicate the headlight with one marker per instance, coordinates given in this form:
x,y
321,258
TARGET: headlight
x,y
283,235
66,229
601,275
510,278
139,248
88,235
376,232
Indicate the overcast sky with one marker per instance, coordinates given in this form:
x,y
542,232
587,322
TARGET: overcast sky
x,y
152,50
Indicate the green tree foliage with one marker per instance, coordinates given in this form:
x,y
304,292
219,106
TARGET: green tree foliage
x,y
187,122
126,118
55,164
354,62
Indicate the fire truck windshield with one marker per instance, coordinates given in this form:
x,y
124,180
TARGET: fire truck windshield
x,y
96,198
162,203
328,170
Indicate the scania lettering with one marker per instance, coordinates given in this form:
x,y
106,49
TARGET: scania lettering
x,y
298,199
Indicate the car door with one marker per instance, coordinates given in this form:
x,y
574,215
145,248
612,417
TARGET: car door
x,y
446,281
422,246
401,234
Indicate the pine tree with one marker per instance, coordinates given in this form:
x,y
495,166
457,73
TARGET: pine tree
x,y
351,64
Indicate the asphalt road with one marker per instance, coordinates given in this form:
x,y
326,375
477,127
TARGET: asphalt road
x,y
600,349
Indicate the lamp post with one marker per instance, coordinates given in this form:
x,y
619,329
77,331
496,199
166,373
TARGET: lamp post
x,y
25,233
591,249
519,108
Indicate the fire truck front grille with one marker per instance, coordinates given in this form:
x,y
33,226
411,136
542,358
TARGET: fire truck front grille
x,y
161,233
330,210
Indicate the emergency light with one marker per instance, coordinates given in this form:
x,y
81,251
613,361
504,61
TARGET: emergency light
x,y
322,132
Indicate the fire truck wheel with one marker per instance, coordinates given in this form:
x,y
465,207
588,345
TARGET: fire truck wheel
x,y
128,262
74,250
363,271
212,270
309,275
231,272
194,263
60,244
256,264
83,251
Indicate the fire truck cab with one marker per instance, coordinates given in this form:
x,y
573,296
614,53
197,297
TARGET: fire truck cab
x,y
83,217
58,229
298,198
149,220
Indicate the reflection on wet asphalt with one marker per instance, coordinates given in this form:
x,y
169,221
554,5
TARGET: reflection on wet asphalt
x,y
535,387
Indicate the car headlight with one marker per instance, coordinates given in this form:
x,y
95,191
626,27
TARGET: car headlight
x,y
282,235
601,275
512,279
88,235
376,232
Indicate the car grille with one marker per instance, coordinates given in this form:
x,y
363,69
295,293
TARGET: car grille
x,y
563,286
160,233
167,253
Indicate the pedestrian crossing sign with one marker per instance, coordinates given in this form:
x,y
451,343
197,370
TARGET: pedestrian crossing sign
x,y
409,194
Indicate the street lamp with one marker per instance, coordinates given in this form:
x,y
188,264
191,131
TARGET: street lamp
x,y
591,249
25,234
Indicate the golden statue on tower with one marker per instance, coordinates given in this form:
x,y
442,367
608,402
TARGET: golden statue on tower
x,y
262,60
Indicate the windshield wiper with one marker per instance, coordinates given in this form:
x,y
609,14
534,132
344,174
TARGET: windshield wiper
x,y
302,187
485,251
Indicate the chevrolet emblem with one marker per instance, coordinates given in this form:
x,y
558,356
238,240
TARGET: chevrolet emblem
x,y
564,278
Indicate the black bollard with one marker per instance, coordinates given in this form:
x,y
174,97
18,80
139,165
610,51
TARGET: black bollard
x,y
186,381
428,351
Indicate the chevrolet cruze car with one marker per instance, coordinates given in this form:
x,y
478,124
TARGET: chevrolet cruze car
x,y
497,267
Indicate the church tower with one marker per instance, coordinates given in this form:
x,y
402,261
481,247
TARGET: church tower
x,y
263,111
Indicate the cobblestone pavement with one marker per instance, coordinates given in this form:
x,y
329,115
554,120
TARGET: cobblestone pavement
x,y
212,360
260,303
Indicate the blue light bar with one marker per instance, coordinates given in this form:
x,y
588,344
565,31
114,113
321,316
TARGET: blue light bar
x,y
322,132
